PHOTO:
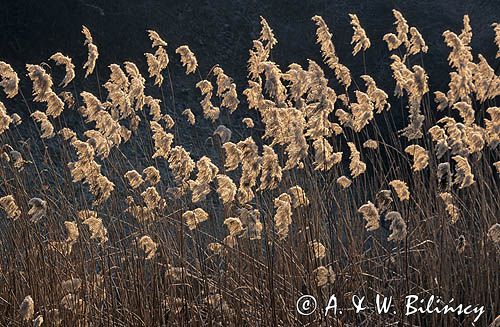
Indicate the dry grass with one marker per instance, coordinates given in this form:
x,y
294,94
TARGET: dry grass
x,y
138,215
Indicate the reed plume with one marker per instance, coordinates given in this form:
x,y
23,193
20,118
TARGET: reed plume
x,y
38,209
283,215
398,226
371,215
10,207
359,38
93,52
356,166
149,246
66,61
401,189
27,308
187,58
10,80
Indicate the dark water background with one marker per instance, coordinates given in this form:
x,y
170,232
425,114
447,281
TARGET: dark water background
x,y
221,32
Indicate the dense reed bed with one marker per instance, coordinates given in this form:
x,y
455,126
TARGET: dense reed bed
x,y
119,209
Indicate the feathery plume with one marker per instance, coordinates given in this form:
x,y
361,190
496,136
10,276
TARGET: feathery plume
x,y
149,246
206,173
466,112
42,90
324,38
370,144
72,232
420,156
258,54
134,179
189,116
234,226
401,27
157,62
226,188
27,308
156,39
344,182
383,201
392,41
93,53
18,160
356,166
194,218
443,175
324,157
38,209
273,85
440,139
169,121
209,110
417,43
401,189
377,96
487,84
324,276
398,226
493,127
152,199
251,164
232,156
371,215
162,140
318,249
136,88
494,233
298,197
154,108
496,28
294,138
441,99
362,111
248,122
227,90
451,208
215,247
66,61
118,93
271,170
5,119
180,163
10,207
223,133
463,172
68,99
10,81
267,35
359,38
96,227
250,218
187,58
151,175
283,215
299,80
